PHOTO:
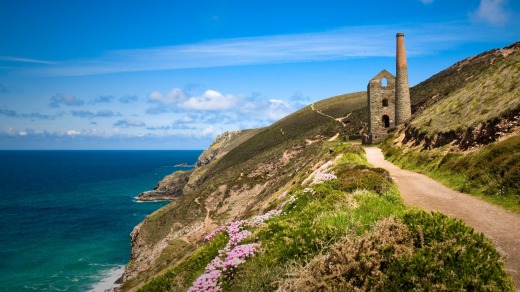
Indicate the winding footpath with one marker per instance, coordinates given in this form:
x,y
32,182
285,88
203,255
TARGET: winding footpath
x,y
501,226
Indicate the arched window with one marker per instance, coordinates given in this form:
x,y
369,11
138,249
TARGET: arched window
x,y
385,102
386,121
384,82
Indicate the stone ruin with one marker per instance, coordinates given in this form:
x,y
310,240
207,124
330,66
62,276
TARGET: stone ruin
x,y
388,98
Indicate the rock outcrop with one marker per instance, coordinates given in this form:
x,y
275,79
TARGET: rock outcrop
x,y
173,186
473,137
169,188
217,149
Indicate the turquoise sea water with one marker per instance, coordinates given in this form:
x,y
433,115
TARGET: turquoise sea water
x,y
66,216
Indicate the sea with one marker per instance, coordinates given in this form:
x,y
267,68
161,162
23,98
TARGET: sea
x,y
66,216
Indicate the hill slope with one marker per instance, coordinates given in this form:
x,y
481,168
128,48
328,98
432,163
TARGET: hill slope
x,y
239,183
343,231
466,128
474,102
323,205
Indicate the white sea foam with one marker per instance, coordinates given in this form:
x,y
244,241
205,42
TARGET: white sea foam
x,y
109,281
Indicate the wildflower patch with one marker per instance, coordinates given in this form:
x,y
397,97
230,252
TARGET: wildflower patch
x,y
233,254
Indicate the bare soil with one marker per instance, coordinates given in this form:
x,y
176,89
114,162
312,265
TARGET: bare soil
x,y
499,225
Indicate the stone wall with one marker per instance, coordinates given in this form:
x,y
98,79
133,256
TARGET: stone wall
x,y
381,114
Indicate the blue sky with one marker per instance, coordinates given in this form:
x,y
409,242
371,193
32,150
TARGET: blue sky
x,y
174,74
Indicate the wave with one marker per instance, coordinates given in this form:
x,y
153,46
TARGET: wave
x,y
110,277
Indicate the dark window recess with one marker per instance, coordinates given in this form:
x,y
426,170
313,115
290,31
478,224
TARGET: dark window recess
x,y
386,121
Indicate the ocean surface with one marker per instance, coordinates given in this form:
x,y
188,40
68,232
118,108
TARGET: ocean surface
x,y
66,216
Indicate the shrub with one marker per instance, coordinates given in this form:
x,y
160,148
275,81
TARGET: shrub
x,y
358,177
354,264
420,252
448,256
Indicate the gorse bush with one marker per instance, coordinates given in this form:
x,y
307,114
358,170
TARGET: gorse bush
x,y
362,177
418,252
448,256
354,264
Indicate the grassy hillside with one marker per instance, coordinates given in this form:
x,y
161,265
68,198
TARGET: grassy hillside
x,y
240,183
350,230
475,90
466,128
346,232
299,126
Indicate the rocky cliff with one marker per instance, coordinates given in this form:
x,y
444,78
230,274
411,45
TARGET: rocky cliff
x,y
173,186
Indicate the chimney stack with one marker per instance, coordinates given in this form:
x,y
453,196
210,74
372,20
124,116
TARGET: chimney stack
x,y
403,110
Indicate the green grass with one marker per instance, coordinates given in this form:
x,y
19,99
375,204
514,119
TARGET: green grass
x,y
469,93
448,256
334,215
491,173
267,144
447,92
182,275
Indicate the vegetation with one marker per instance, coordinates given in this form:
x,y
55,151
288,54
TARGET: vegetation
x,y
295,128
480,89
470,92
359,237
345,219
262,162
492,172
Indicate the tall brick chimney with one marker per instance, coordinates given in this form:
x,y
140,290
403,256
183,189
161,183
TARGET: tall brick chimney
x,y
403,110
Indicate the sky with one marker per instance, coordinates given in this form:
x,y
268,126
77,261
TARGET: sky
x,y
173,74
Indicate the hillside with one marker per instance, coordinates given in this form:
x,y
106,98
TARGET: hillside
x,y
304,200
474,102
239,183
465,130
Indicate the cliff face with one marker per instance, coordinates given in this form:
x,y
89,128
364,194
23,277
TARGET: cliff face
x,y
173,186
224,143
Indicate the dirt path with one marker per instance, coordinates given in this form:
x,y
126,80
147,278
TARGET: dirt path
x,y
501,226
339,120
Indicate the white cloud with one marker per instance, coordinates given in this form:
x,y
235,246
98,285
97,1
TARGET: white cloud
x,y
492,12
10,131
211,100
65,99
278,109
73,133
24,60
125,123
209,131
172,97
185,119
